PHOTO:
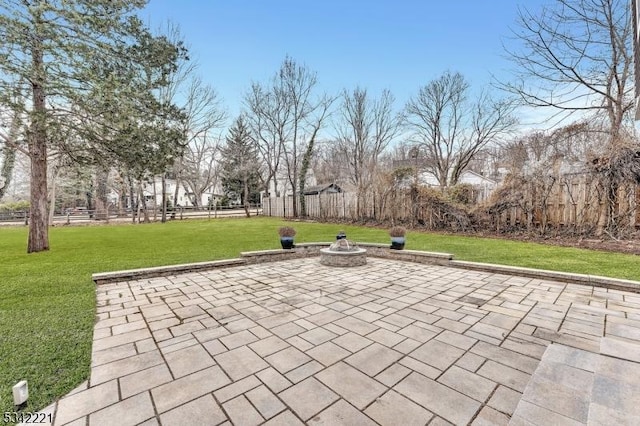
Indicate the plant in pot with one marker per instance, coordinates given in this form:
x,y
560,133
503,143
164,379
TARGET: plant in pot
x,y
286,236
397,234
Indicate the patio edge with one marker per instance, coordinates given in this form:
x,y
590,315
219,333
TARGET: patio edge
x,y
374,250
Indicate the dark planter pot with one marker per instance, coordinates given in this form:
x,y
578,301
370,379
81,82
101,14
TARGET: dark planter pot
x,y
397,243
287,242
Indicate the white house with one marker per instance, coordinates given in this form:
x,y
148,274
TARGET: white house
x,y
153,194
186,198
482,184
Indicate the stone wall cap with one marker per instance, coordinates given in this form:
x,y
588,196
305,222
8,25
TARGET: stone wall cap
x,y
124,275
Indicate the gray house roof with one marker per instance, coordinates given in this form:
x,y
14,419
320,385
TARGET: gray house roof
x,y
322,189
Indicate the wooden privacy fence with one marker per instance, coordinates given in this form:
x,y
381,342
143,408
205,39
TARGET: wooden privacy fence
x,y
324,206
390,206
575,203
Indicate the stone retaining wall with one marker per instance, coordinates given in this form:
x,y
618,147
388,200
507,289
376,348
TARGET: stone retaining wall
x,y
373,250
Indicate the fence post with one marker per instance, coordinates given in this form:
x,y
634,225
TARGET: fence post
x,y
344,207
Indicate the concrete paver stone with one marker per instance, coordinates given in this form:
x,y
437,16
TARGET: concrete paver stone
x,y
187,388
295,342
265,401
352,385
128,412
242,412
341,413
240,362
287,359
394,409
203,410
373,359
308,398
441,400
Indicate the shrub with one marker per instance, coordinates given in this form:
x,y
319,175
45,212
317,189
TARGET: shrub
x,y
397,231
18,206
287,231
462,193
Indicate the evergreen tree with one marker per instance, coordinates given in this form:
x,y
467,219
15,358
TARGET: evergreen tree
x,y
89,66
241,177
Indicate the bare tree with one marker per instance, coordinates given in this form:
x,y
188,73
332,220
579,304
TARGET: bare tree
x,y
310,149
199,168
285,116
196,169
365,128
296,82
451,128
329,164
268,117
577,56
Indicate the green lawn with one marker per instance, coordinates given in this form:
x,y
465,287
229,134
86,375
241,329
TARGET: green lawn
x,y
47,300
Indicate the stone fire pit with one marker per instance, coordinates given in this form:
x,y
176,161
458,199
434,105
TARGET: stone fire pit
x,y
343,253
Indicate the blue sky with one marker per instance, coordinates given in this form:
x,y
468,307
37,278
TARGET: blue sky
x,y
400,45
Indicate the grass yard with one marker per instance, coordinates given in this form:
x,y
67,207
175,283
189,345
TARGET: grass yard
x,y
47,300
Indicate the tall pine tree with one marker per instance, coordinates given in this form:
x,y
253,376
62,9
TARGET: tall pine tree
x,y
241,176
81,64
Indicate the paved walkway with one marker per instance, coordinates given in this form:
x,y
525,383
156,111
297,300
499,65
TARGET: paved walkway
x,y
392,343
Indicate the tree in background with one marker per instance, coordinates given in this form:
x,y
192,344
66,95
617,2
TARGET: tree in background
x,y
365,128
267,117
144,132
10,144
197,166
576,56
285,117
61,56
452,129
241,165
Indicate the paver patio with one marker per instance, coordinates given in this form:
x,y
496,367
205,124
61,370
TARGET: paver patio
x,y
388,343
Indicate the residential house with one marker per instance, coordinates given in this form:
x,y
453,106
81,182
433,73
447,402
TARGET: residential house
x,y
483,185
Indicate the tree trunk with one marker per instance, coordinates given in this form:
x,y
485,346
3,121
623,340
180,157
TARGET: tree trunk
x,y
52,196
246,196
101,206
9,157
602,217
38,223
38,220
294,199
306,162
175,197
132,199
123,198
164,198
155,200
143,203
